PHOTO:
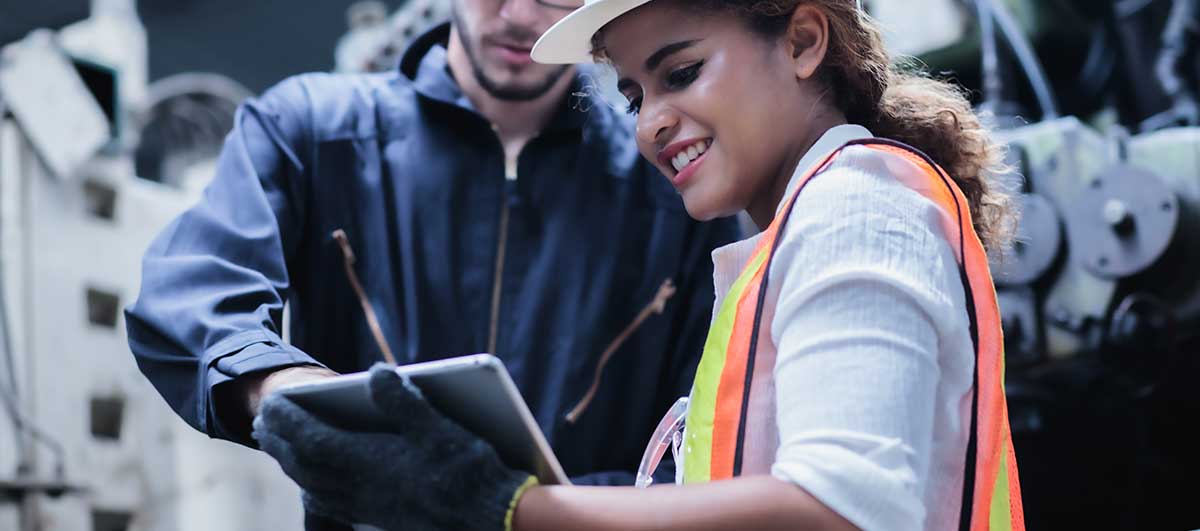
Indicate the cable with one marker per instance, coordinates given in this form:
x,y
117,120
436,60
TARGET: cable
x,y
9,362
1175,45
8,392
1025,56
1128,8
1098,66
993,85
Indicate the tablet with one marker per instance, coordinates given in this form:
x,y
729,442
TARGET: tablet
x,y
476,391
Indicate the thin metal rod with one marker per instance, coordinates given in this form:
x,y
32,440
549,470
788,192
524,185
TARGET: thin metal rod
x,y
1027,59
372,321
992,83
656,306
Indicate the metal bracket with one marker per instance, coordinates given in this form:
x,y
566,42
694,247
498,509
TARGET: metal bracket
x,y
15,490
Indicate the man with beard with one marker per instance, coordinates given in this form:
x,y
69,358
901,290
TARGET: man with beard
x,y
471,201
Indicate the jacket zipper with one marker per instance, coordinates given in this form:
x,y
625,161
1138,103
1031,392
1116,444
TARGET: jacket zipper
x,y
498,273
510,175
655,306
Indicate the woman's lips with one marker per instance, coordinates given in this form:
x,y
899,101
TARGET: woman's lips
x,y
683,176
683,158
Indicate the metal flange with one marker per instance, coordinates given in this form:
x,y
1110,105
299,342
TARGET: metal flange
x,y
1123,222
1038,241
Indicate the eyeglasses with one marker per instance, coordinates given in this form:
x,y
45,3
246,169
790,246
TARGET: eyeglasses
x,y
668,434
569,5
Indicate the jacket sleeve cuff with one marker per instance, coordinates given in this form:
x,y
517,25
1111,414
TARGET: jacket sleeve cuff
x,y
222,415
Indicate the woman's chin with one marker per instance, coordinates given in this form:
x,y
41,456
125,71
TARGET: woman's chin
x,y
701,208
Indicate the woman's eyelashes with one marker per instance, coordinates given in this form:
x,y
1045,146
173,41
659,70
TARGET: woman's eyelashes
x,y
677,79
683,76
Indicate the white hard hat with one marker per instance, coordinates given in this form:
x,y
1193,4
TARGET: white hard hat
x,y
570,40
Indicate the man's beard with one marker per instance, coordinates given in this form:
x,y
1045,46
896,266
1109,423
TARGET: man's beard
x,y
505,93
514,93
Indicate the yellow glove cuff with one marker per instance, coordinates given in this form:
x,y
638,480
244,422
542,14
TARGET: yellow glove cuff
x,y
512,505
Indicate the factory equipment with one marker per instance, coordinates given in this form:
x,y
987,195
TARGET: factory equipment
x,y
182,124
376,40
85,441
1100,313
1098,296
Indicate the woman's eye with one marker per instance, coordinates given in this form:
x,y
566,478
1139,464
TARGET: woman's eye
x,y
635,105
681,77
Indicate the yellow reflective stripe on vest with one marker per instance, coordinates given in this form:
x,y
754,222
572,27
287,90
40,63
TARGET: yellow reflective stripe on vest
x,y
703,402
998,518
717,416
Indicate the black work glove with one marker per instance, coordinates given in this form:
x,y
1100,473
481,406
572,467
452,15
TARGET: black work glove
x,y
421,471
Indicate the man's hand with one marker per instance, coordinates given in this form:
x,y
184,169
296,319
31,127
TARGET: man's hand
x,y
419,471
258,386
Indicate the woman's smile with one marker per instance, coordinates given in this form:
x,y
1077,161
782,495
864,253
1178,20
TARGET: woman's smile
x,y
684,157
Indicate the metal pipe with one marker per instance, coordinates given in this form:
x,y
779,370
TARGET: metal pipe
x,y
1027,59
992,83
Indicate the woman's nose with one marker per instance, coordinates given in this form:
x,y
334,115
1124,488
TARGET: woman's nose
x,y
655,124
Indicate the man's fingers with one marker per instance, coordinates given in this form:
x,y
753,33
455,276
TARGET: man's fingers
x,y
282,416
306,474
400,399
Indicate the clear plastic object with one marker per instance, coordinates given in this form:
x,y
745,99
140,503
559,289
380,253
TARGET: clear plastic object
x,y
668,434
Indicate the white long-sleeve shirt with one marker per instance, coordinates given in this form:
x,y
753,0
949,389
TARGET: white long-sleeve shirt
x,y
875,360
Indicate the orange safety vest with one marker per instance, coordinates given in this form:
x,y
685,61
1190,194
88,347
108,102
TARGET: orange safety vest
x,y
726,436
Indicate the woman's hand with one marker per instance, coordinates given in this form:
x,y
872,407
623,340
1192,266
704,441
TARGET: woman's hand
x,y
421,471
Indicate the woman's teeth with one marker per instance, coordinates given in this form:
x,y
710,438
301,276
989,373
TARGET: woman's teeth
x,y
686,156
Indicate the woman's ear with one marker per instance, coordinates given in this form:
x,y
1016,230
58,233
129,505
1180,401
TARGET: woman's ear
x,y
808,39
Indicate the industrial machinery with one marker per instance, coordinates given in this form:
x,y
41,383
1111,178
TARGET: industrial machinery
x,y
376,39
85,441
1099,295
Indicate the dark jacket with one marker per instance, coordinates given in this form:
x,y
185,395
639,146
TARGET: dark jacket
x,y
415,177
